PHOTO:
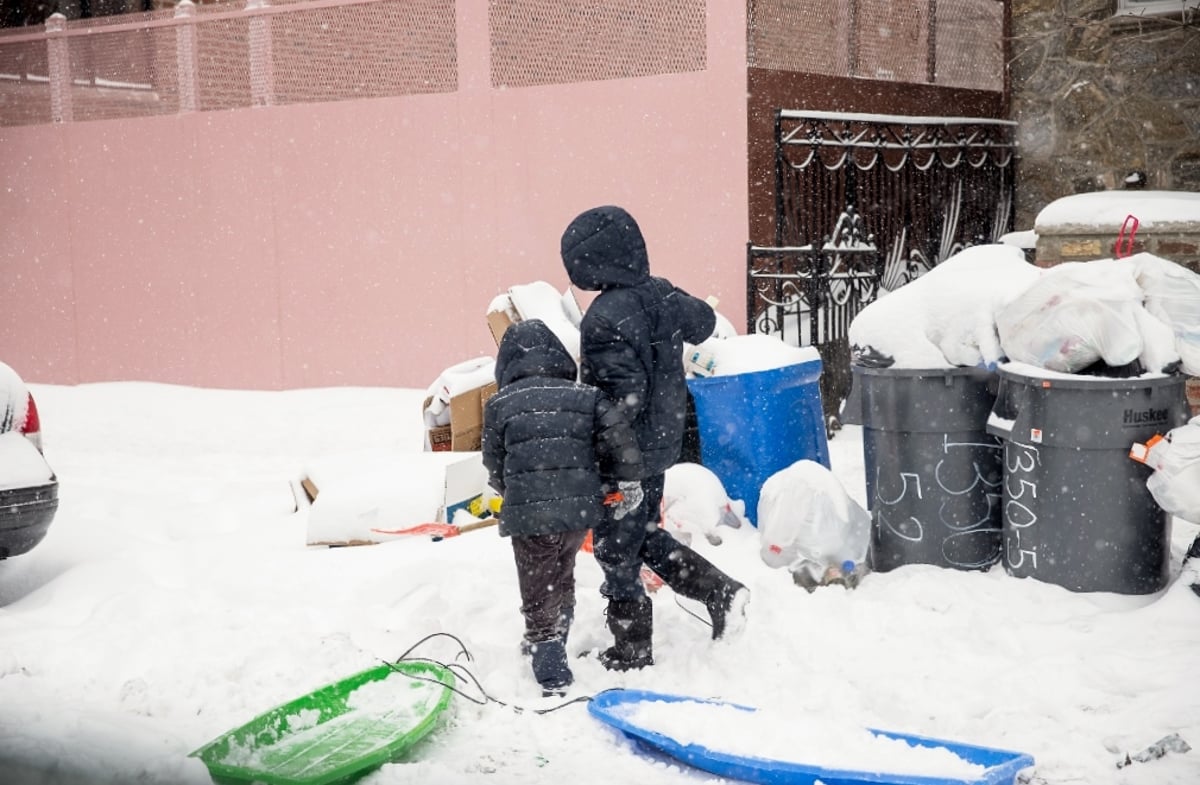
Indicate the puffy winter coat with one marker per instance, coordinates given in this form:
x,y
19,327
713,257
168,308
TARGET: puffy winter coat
x,y
550,443
633,333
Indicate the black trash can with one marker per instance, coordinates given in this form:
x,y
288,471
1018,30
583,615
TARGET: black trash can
x,y
933,471
1077,512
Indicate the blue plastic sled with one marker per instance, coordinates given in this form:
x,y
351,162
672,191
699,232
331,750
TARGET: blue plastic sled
x,y
1002,766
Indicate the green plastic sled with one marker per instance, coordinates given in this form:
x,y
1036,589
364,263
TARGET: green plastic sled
x,y
337,733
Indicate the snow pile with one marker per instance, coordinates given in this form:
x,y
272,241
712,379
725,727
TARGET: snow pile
x,y
946,317
1025,240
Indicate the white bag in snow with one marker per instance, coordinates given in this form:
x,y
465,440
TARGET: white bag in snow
x,y
1074,315
695,503
1158,342
946,318
806,519
1175,484
1172,295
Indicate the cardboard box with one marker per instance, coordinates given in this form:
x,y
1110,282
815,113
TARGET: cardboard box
x,y
465,431
348,497
498,322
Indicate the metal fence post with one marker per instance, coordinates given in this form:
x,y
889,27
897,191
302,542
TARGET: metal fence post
x,y
60,68
262,69
185,53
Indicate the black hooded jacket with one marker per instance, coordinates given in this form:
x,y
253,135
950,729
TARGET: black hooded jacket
x,y
632,335
549,442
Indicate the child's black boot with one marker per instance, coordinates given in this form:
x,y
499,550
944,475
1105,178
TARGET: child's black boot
x,y
632,624
549,660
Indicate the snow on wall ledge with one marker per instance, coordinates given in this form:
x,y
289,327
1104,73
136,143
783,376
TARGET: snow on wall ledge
x,y
1104,224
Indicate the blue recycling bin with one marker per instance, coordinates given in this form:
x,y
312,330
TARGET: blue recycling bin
x,y
754,424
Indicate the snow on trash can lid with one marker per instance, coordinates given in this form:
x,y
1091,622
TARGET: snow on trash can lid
x,y
745,354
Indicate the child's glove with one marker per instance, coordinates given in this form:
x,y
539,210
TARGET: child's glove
x,y
625,499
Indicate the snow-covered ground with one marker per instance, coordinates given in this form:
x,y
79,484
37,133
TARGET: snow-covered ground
x,y
175,599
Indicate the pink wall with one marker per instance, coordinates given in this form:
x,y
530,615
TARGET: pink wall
x,y
356,242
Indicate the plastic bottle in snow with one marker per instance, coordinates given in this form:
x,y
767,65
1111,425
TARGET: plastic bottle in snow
x,y
810,575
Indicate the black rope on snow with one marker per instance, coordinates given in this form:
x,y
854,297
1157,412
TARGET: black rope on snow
x,y
690,612
462,649
461,671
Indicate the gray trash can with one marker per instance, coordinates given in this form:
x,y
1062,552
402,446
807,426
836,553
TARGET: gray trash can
x,y
1077,512
933,471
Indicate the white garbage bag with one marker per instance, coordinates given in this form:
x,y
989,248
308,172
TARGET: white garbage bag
x,y
695,504
1172,295
1075,315
809,524
1175,458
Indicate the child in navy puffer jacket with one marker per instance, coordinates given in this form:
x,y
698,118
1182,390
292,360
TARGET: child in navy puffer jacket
x,y
553,449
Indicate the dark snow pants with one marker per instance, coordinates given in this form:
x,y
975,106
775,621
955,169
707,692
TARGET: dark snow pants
x,y
621,547
546,578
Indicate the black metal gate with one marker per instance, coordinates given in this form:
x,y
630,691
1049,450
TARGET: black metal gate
x,y
863,205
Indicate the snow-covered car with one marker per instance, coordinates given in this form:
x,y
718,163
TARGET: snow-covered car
x,y
28,486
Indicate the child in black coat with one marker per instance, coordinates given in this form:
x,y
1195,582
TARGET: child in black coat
x,y
631,341
553,449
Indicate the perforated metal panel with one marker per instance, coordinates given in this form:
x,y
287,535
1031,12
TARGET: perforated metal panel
x,y
364,51
538,42
229,55
129,73
893,41
223,64
24,82
881,39
970,44
805,36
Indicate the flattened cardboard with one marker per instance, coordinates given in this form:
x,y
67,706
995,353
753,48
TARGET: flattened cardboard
x,y
354,494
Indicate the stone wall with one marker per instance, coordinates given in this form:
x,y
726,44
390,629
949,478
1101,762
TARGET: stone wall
x,y
1099,97
1180,244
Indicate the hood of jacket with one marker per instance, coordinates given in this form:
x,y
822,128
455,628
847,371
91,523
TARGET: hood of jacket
x,y
603,248
530,348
